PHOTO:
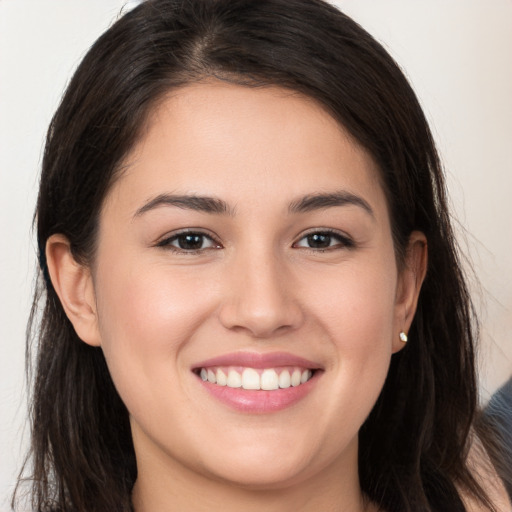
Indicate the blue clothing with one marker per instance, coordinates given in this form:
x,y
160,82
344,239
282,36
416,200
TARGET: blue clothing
x,y
498,413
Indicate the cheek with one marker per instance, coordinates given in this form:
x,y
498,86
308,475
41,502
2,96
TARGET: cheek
x,y
357,311
146,315
146,319
146,303
357,305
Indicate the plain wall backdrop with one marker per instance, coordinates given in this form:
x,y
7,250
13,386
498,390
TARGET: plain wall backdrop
x,y
458,56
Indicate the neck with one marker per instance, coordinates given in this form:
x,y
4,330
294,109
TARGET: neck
x,y
168,485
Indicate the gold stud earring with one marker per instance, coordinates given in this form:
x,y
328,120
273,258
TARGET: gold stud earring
x,y
403,337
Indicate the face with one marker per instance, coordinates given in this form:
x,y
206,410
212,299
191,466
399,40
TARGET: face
x,y
247,245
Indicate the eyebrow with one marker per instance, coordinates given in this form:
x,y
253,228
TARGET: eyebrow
x,y
216,206
320,201
204,204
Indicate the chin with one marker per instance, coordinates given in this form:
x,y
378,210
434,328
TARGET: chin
x,y
273,465
267,474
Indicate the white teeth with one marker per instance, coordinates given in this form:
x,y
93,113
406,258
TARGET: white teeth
x,y
222,380
250,379
296,375
306,375
269,380
285,379
234,379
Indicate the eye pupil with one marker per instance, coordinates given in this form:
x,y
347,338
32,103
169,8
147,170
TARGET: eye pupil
x,y
319,240
190,241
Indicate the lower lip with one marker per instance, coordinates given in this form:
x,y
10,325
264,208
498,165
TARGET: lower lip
x,y
260,401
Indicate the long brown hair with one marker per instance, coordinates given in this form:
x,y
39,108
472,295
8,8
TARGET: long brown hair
x,y
413,446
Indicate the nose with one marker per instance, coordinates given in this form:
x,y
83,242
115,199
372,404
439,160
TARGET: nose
x,y
260,298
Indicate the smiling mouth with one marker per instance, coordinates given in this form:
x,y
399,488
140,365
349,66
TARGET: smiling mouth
x,y
266,379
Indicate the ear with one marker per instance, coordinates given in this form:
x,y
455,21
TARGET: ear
x,y
74,286
410,280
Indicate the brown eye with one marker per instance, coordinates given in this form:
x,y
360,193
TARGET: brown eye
x,y
322,240
189,242
319,240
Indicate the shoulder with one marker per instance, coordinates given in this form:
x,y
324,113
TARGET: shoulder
x,y
485,474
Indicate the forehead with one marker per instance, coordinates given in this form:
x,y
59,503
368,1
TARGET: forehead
x,y
243,143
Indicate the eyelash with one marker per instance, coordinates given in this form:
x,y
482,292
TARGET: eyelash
x,y
166,242
343,241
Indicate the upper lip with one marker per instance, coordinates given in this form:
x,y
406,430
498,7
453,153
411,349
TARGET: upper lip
x,y
258,360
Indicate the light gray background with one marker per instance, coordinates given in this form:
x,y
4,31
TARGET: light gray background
x,y
458,55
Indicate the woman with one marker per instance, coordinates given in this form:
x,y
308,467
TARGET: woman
x,y
235,208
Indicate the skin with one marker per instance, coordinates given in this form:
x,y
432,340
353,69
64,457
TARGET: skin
x,y
256,285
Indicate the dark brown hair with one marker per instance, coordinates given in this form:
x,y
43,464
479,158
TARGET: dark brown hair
x,y
413,446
